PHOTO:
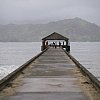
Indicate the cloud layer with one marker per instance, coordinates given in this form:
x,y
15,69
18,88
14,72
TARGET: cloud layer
x,y
22,10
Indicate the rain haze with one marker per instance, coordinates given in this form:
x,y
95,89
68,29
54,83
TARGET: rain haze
x,y
37,11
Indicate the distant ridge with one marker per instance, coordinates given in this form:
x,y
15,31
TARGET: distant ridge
x,y
76,29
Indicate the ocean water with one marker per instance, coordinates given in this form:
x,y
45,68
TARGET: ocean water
x,y
88,54
14,54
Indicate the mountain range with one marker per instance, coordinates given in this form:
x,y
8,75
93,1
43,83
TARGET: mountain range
x,y
76,29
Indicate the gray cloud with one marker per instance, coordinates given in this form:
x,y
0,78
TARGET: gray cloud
x,y
21,10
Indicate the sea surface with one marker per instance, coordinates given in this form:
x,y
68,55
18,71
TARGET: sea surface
x,y
88,54
14,54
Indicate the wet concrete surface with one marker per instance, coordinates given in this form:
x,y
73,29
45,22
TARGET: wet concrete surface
x,y
51,78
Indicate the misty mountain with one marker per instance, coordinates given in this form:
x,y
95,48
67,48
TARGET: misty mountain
x,y
75,29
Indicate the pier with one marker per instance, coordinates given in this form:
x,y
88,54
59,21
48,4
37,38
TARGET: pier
x,y
51,75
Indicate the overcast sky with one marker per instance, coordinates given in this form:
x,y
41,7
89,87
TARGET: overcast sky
x,y
32,10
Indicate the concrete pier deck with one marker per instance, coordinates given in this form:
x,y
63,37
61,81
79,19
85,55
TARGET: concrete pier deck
x,y
51,77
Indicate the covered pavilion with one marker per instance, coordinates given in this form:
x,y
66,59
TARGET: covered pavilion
x,y
55,36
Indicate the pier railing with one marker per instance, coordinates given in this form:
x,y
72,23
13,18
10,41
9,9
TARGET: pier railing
x,y
94,81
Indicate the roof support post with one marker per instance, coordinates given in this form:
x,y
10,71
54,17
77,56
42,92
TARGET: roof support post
x,y
43,45
66,45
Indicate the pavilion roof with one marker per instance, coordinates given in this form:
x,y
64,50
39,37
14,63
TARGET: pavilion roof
x,y
55,36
